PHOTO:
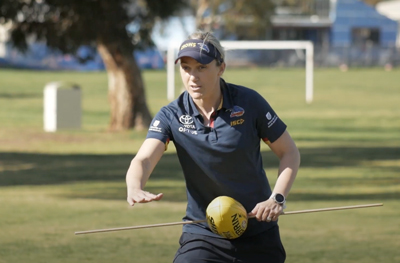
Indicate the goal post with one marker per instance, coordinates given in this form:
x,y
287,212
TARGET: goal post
x,y
260,45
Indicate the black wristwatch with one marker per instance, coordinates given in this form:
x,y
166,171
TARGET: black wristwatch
x,y
279,198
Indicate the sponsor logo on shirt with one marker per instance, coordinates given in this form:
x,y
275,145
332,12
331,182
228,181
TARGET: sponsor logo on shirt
x,y
237,111
272,119
182,129
154,126
188,124
187,121
237,122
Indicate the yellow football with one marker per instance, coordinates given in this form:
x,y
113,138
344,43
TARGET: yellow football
x,y
226,217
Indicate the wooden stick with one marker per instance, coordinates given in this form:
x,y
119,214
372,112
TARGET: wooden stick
x,y
330,209
201,221
138,227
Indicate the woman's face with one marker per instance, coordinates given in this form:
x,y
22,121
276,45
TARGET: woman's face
x,y
201,81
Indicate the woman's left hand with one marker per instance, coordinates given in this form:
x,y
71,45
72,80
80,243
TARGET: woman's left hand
x,y
267,211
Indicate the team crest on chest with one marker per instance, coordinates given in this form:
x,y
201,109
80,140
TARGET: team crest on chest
x,y
237,111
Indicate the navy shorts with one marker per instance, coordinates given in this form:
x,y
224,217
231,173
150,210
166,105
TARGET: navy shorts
x,y
262,248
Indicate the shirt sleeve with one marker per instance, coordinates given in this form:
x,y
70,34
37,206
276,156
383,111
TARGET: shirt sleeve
x,y
160,127
269,126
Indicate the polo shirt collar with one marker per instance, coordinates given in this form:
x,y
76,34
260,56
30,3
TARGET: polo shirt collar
x,y
227,102
189,105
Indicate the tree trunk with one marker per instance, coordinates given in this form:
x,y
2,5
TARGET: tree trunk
x,y
126,91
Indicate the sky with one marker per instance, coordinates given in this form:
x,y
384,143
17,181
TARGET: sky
x,y
173,31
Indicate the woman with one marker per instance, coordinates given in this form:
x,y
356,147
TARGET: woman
x,y
217,128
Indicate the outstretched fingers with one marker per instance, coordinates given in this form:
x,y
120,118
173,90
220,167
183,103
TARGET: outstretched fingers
x,y
143,197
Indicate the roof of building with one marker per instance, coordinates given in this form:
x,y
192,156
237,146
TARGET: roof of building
x,y
391,9
301,21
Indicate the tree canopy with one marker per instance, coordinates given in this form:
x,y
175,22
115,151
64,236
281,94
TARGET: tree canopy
x,y
68,24
113,28
246,19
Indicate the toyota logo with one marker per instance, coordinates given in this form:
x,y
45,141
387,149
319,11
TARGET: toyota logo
x,y
186,119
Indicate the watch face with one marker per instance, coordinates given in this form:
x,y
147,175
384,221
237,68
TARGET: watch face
x,y
279,198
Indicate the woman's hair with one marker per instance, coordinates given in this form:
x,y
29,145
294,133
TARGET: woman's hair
x,y
209,37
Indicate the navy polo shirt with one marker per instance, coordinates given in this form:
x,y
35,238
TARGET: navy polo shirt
x,y
224,159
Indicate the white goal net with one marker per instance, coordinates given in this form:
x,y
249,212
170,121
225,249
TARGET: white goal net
x,y
252,45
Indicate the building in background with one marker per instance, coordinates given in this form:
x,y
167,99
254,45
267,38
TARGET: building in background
x,y
348,32
335,23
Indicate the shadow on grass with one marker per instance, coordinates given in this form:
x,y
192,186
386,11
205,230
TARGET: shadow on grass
x,y
51,169
47,169
21,95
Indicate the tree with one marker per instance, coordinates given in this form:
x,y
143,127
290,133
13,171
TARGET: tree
x,y
246,19
103,25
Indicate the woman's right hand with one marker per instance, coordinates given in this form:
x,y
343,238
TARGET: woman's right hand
x,y
140,169
140,196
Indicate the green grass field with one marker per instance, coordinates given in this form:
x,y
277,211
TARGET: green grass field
x,y
53,184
